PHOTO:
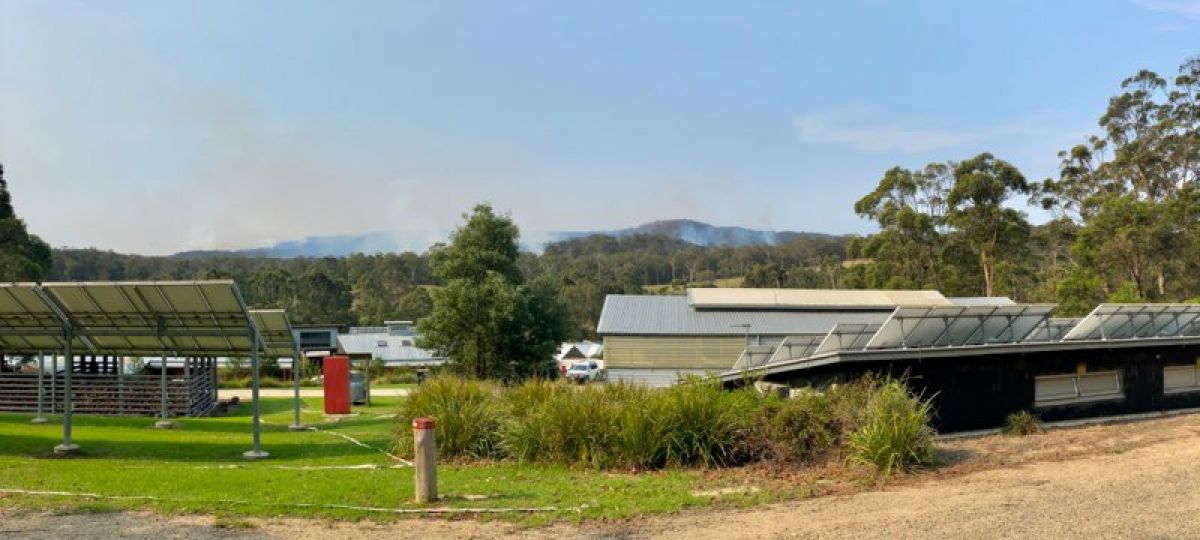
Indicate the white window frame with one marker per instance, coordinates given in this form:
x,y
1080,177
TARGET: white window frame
x,y
1078,397
1194,387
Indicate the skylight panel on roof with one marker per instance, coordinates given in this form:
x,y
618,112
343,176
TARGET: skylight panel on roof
x,y
956,326
795,347
847,337
1129,321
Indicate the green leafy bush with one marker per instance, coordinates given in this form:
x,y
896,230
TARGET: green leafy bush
x,y
403,375
797,430
895,433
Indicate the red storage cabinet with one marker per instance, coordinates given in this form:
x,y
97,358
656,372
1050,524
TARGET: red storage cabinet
x,y
337,384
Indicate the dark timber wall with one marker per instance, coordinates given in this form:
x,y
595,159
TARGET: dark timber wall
x,y
191,391
977,392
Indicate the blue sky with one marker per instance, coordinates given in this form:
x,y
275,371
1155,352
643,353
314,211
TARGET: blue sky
x,y
154,127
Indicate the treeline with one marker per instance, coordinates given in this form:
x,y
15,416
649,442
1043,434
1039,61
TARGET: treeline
x,y
359,289
23,256
368,289
1126,209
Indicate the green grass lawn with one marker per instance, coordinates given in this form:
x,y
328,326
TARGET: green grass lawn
x,y
198,468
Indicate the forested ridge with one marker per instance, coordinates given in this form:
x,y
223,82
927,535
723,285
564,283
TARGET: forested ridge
x,y
1125,227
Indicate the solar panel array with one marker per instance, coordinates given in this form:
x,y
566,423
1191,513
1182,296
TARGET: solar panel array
x,y
754,356
956,326
275,332
1131,321
932,327
27,322
847,337
181,318
1053,329
794,347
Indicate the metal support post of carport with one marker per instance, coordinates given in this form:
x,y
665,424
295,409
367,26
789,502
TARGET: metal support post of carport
x,y
163,422
41,391
297,362
256,452
67,447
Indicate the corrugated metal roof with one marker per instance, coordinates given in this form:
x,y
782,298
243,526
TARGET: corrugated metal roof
x,y
981,301
390,349
671,315
836,299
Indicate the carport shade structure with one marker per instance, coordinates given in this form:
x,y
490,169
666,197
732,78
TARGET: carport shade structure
x,y
278,341
184,318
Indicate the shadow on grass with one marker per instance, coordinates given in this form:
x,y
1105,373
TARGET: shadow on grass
x,y
314,446
948,457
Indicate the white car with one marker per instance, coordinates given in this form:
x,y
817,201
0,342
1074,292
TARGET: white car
x,y
583,372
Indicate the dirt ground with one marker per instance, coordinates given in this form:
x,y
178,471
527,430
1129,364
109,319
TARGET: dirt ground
x,y
1133,480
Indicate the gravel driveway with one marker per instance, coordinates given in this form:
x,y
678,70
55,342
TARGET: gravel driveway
x,y
1136,480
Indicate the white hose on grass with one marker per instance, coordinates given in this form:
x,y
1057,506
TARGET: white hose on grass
x,y
357,442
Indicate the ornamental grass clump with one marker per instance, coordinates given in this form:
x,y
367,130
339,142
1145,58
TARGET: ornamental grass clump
x,y
694,423
702,423
570,425
468,417
895,434
1021,423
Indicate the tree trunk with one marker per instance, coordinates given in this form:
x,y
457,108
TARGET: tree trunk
x,y
986,264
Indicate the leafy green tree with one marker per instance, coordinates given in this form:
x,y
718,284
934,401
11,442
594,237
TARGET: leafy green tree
x,y
486,244
1078,292
1132,190
322,299
485,318
23,257
414,304
271,288
584,295
996,235
1127,293
374,300
910,208
766,276
536,327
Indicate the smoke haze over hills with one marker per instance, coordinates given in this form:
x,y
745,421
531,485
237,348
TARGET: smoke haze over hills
x,y
691,231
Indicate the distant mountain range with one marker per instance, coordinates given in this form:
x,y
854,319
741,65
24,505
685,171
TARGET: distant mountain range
x,y
695,232
703,234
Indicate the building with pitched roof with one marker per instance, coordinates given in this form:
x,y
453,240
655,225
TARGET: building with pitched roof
x,y
656,339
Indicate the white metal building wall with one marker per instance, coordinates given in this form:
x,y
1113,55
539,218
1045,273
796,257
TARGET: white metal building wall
x,y
655,377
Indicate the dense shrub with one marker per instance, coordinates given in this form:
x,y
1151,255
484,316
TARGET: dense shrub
x,y
263,382
797,430
703,423
467,412
696,423
551,421
895,433
1021,423
394,376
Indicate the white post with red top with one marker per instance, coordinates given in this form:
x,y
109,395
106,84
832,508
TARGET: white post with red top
x,y
424,460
